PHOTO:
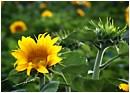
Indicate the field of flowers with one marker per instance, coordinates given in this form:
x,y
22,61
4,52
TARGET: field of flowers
x,y
65,46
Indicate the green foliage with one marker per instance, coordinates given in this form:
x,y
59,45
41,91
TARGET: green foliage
x,y
82,36
14,76
87,85
106,32
74,57
78,37
51,86
20,90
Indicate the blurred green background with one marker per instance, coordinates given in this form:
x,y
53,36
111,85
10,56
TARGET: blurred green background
x,y
64,17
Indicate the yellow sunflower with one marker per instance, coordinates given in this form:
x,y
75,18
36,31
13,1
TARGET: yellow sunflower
x,y
37,55
47,13
42,5
76,2
18,26
124,87
80,12
127,15
87,4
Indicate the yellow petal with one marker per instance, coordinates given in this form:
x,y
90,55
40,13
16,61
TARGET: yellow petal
x,y
54,50
53,59
41,40
124,87
22,61
15,63
41,35
45,41
54,40
27,44
42,69
29,68
18,54
21,67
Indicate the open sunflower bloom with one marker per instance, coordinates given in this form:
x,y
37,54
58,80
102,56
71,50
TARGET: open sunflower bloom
x,y
37,55
127,15
80,12
47,13
42,5
18,26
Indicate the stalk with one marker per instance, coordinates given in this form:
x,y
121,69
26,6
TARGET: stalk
x,y
98,62
67,88
108,62
42,81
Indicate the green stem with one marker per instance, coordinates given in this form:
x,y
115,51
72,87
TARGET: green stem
x,y
108,62
42,81
98,62
68,88
111,60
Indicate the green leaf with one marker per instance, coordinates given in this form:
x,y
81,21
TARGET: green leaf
x,y
123,49
74,57
87,85
82,36
51,86
72,71
20,90
86,50
126,36
17,77
73,63
76,69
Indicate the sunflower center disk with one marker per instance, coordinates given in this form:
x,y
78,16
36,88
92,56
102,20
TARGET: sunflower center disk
x,y
40,61
18,28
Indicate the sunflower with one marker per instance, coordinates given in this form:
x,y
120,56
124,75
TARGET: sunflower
x,y
124,87
42,5
127,15
80,12
76,2
47,13
87,3
18,26
38,55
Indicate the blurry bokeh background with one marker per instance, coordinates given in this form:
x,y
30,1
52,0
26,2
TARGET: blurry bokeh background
x,y
38,17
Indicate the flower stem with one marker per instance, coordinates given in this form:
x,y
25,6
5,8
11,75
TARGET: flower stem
x,y
68,88
98,62
108,62
42,81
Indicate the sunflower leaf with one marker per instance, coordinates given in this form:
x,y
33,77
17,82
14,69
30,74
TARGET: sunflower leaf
x,y
17,77
51,86
20,90
82,36
89,85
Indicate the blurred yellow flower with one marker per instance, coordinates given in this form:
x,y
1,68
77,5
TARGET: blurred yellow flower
x,y
80,12
36,55
124,87
127,15
76,2
87,4
47,13
18,26
42,5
